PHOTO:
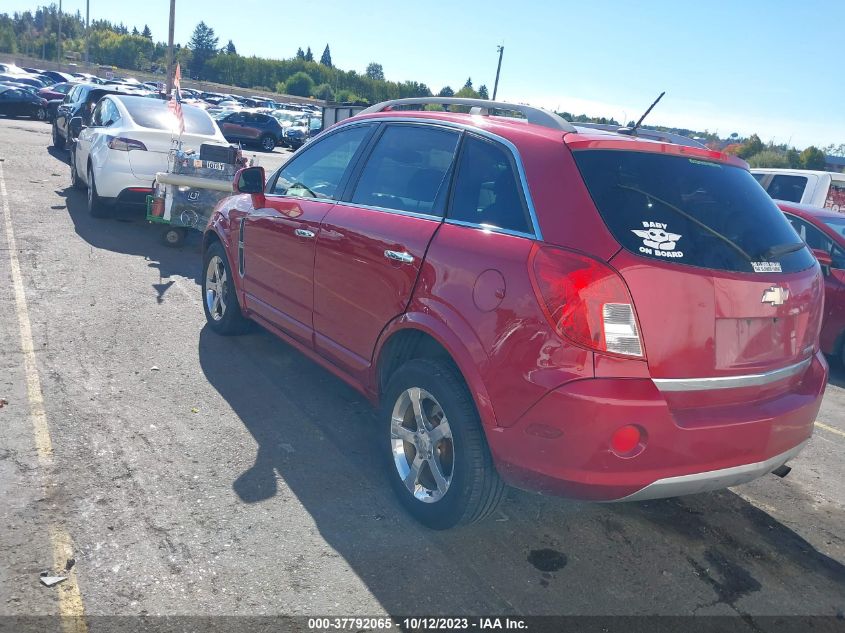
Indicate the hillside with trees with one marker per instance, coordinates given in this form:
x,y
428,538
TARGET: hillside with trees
x,y
34,33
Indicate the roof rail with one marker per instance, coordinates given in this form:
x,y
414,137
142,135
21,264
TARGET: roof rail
x,y
482,107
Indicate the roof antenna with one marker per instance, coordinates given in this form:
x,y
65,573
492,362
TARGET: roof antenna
x,y
632,131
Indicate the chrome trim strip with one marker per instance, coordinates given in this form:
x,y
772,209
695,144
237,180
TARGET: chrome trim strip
x,y
412,214
489,227
712,479
730,382
520,168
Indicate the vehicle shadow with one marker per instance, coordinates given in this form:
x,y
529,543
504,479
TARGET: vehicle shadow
x,y
837,373
128,232
537,555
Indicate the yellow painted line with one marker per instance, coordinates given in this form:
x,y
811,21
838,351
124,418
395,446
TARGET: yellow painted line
x,y
830,429
70,599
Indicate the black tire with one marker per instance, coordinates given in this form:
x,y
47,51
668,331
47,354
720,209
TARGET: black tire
x,y
267,142
96,207
58,141
75,180
40,114
475,488
173,236
231,321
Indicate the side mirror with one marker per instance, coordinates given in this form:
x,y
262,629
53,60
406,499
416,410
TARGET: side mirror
x,y
251,180
75,127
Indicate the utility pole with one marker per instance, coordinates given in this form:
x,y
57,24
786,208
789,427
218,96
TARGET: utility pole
x,y
170,47
501,50
59,46
87,28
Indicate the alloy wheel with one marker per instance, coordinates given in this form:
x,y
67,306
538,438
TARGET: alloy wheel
x,y
422,445
216,285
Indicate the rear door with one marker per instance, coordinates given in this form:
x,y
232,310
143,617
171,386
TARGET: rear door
x,y
722,284
372,245
279,239
233,126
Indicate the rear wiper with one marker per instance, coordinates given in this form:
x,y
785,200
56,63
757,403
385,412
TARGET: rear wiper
x,y
780,250
692,219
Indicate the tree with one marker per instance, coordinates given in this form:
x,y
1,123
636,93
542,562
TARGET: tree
x,y
135,30
324,92
482,92
203,45
147,32
446,92
326,59
309,56
794,158
468,84
751,147
769,158
230,48
299,84
300,54
375,71
813,158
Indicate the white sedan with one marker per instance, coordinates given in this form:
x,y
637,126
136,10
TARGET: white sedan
x,y
128,142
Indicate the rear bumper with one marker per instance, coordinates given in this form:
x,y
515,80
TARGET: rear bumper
x,y
561,446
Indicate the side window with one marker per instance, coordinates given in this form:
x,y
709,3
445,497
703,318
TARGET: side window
x,y
407,169
98,117
235,118
789,188
317,172
111,114
486,189
811,235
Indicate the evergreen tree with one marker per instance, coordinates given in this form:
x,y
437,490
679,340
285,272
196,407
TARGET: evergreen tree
x,y
300,54
468,84
446,92
203,45
309,56
326,59
230,48
135,30
482,92
147,33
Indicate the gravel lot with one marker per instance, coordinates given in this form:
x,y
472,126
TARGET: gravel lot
x,y
200,475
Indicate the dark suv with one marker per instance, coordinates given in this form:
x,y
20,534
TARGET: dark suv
x,y
565,310
79,101
251,128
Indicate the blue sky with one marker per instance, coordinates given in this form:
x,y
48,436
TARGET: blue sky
x,y
764,66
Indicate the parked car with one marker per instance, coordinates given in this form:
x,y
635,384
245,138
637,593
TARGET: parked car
x,y
29,80
57,91
88,78
560,309
116,157
813,188
824,232
12,69
15,102
252,128
79,101
56,76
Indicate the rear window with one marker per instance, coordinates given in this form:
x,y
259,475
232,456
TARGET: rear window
x,y
155,115
691,211
788,188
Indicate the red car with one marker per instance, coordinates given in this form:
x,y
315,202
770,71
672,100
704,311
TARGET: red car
x,y
824,232
574,312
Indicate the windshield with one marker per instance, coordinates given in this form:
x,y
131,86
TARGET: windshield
x,y
156,115
837,224
690,211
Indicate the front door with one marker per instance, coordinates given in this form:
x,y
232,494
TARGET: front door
x,y
279,239
372,246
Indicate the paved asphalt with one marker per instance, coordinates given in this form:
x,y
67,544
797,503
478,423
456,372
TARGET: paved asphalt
x,y
196,474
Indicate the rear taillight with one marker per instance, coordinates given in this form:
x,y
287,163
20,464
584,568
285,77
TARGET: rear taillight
x,y
123,144
586,301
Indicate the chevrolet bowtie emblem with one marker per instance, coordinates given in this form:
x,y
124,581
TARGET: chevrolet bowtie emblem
x,y
775,296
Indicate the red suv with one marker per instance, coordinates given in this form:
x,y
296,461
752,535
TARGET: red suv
x,y
824,232
564,310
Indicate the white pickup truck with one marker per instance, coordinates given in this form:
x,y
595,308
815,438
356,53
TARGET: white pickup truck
x,y
815,188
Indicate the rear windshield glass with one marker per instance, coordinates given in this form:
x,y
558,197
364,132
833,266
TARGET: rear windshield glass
x,y
155,114
691,211
788,188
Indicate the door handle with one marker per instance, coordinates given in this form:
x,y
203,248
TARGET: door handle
x,y
396,256
304,233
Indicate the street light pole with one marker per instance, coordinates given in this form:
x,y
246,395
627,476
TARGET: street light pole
x,y
170,47
59,46
501,50
87,28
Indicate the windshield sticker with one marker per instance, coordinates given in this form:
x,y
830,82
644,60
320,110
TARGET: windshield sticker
x,y
657,240
766,267
705,163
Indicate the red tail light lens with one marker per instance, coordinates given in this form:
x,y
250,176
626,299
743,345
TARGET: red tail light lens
x,y
123,144
586,301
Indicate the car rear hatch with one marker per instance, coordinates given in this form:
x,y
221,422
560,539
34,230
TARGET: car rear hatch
x,y
146,164
725,291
